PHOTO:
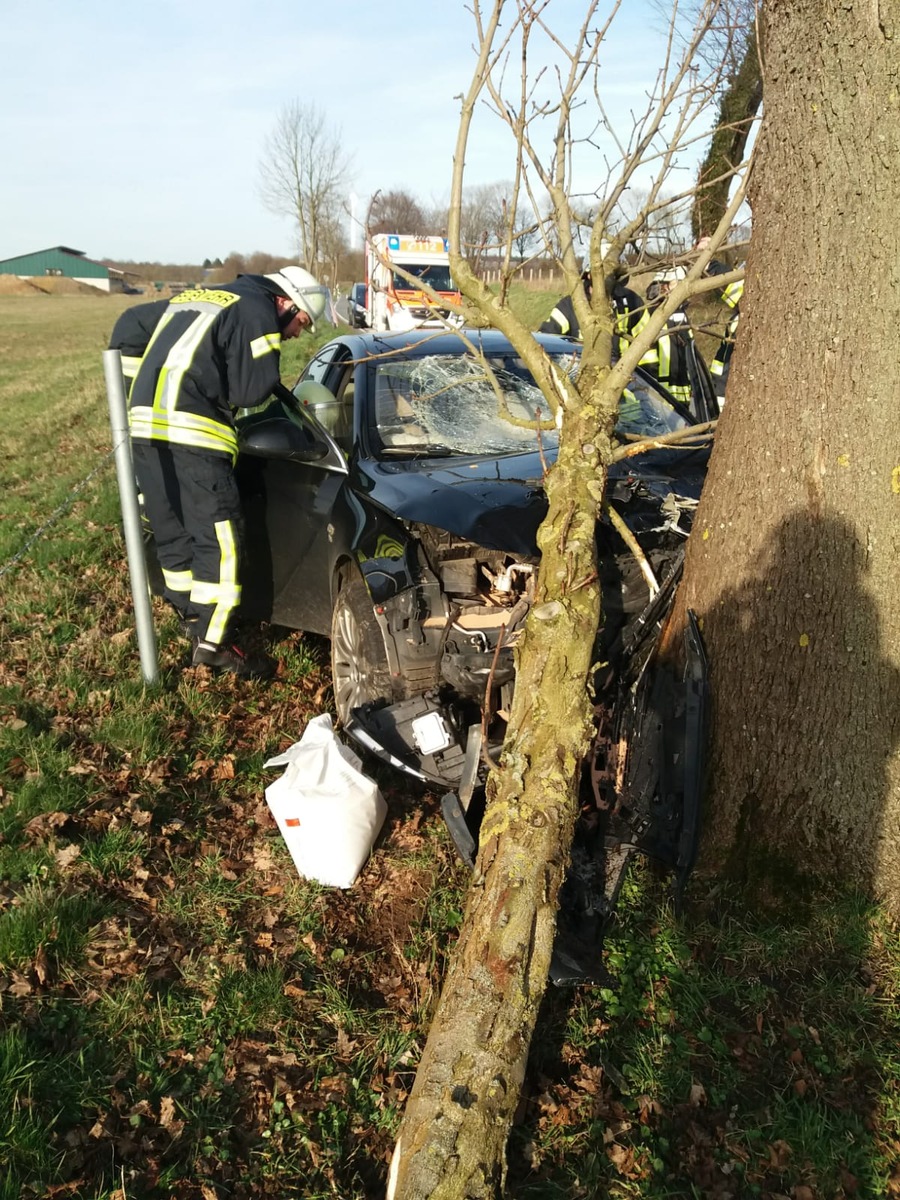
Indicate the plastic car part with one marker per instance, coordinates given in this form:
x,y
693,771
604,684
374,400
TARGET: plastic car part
x,y
471,766
355,729
392,730
587,902
696,718
464,839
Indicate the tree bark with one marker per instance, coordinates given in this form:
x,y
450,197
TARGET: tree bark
x,y
792,565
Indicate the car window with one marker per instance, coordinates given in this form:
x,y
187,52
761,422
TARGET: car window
x,y
645,412
321,363
446,404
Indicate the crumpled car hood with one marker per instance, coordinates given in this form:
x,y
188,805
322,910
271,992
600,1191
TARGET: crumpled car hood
x,y
497,503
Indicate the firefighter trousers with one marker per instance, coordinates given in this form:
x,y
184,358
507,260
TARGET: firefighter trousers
x,y
191,501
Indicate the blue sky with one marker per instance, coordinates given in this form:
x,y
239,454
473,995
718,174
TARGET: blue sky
x,y
134,130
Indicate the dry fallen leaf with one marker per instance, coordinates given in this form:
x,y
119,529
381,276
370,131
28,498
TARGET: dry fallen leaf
x,y
66,856
40,965
225,768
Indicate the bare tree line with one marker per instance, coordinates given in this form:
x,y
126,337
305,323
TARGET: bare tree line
x,y
314,199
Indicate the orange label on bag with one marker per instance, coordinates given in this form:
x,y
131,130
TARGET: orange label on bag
x,y
291,822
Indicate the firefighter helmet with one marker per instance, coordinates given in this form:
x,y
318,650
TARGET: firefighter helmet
x,y
670,275
304,290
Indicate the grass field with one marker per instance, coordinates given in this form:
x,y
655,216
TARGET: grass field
x,y
181,1016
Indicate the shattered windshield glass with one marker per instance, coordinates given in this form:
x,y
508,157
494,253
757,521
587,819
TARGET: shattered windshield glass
x,y
445,404
645,412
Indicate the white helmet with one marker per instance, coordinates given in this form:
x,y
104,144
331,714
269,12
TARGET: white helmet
x,y
304,290
670,275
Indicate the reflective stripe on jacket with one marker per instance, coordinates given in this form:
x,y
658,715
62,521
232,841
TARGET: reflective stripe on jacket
x,y
726,347
562,320
632,316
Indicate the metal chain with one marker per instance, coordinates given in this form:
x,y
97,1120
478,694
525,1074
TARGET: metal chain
x,y
55,515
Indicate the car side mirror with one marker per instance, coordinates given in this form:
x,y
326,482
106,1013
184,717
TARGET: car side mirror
x,y
279,437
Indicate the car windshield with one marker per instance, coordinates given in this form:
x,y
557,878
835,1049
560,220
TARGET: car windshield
x,y
645,412
437,275
445,404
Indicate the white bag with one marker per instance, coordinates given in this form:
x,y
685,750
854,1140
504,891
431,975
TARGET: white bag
x,y
328,812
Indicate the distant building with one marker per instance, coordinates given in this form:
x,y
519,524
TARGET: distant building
x,y
64,261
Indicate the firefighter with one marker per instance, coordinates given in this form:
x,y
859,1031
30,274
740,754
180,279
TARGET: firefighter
x,y
731,296
668,358
212,351
629,311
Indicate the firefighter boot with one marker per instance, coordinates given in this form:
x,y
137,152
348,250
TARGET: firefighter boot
x,y
232,658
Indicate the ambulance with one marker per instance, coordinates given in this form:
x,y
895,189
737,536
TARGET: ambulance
x,y
392,302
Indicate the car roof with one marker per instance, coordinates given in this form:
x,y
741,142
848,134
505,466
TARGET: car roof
x,y
420,342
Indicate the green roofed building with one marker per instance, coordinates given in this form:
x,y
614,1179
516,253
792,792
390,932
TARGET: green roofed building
x,y
63,260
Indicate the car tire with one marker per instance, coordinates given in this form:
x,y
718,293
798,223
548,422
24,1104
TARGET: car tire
x,y
359,666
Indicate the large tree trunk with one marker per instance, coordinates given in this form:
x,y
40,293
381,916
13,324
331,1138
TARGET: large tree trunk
x,y
793,562
453,1137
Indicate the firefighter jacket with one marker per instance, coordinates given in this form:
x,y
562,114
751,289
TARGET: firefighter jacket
x,y
213,351
668,358
132,332
629,313
731,295
632,315
562,320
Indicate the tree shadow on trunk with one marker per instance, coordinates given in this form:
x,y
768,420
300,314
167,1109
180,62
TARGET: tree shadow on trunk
x,y
806,720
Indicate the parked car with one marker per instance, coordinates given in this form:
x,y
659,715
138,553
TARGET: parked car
x,y
357,314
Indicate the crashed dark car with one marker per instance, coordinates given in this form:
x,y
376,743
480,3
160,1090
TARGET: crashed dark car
x,y
392,509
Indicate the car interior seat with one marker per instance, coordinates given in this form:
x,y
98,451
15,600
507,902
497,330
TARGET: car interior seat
x,y
398,424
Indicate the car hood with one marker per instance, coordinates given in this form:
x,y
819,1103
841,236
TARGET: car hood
x,y
499,503
496,503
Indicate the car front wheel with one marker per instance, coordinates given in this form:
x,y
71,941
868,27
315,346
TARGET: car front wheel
x,y
359,668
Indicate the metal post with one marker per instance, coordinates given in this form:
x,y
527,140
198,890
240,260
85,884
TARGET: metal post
x,y
131,519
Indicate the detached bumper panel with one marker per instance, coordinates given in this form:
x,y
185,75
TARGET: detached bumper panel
x,y
414,736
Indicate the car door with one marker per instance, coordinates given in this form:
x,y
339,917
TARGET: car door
x,y
294,510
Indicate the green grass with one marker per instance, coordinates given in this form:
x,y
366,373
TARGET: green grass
x,y
180,1012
